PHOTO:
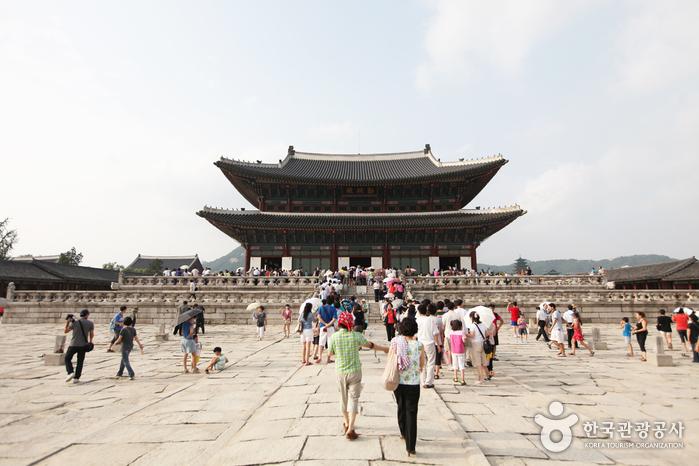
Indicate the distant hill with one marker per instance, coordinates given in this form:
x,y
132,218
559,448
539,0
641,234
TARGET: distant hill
x,y
231,261
236,258
576,266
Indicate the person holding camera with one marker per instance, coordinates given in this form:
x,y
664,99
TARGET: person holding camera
x,y
80,343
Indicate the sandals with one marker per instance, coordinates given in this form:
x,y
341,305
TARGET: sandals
x,y
456,380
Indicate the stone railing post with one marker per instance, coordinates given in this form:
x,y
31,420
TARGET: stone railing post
x,y
597,342
662,359
10,291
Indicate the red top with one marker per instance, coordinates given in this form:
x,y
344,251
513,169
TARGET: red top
x,y
681,321
390,316
514,312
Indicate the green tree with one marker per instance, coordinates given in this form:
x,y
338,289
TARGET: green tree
x,y
8,238
112,266
553,272
520,265
155,267
71,257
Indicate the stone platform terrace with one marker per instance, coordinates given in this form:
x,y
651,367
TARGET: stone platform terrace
x,y
265,408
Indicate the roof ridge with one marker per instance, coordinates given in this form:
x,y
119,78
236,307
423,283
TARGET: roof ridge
x,y
364,157
681,265
490,210
140,256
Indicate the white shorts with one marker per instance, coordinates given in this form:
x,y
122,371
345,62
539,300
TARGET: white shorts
x,y
260,331
627,340
325,336
457,361
307,335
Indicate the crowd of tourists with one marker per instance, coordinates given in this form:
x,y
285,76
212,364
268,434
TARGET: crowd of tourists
x,y
427,340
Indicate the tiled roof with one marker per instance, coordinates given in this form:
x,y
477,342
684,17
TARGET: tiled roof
x,y
79,273
12,270
652,272
688,273
52,272
167,262
248,219
361,168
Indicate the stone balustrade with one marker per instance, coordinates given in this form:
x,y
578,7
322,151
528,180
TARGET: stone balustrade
x,y
548,281
229,305
216,282
414,282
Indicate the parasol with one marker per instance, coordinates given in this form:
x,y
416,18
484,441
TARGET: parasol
x,y
185,316
397,303
252,306
485,313
315,302
687,310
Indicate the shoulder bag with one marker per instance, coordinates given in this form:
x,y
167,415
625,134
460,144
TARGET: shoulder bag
x,y
487,345
89,346
391,374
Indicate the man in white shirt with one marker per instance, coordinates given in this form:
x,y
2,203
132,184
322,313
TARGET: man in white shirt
x,y
427,331
541,316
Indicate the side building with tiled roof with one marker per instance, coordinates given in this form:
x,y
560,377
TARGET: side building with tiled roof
x,y
46,275
143,263
680,274
334,210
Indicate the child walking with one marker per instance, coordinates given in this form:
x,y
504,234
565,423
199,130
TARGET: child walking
x,y
522,328
578,335
458,350
626,333
218,362
126,337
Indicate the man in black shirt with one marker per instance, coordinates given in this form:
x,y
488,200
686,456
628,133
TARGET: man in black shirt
x,y
665,326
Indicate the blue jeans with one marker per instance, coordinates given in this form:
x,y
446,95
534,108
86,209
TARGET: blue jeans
x,y
125,363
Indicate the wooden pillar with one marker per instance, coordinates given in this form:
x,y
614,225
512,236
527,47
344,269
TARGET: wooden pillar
x,y
247,258
288,198
386,256
333,253
474,261
286,245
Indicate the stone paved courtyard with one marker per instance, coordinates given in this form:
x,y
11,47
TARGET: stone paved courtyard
x,y
265,408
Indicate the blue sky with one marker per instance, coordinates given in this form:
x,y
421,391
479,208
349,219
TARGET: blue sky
x,y
113,114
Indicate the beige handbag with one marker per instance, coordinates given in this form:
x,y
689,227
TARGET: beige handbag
x,y
391,374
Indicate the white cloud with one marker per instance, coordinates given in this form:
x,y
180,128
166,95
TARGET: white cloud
x,y
463,36
659,45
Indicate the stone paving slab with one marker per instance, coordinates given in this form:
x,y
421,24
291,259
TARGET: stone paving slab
x,y
266,408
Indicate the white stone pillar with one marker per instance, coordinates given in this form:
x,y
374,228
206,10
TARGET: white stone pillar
x,y
464,262
433,263
343,261
287,262
255,262
377,262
